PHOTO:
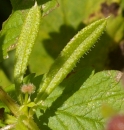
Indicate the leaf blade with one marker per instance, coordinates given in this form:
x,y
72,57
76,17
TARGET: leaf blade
x,y
26,41
83,109
67,59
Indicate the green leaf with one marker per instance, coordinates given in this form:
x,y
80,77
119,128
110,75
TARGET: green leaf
x,y
64,90
10,32
68,20
115,28
39,66
31,104
4,81
9,119
28,79
49,6
11,28
67,59
53,36
26,41
67,88
122,4
83,109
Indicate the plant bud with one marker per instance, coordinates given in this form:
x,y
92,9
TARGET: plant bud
x,y
28,88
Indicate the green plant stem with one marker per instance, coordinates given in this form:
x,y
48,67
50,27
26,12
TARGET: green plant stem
x,y
9,102
31,124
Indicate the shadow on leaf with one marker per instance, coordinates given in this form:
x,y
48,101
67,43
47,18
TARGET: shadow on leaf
x,y
69,86
58,41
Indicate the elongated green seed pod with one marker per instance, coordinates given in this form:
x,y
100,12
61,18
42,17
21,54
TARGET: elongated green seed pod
x,y
26,41
69,56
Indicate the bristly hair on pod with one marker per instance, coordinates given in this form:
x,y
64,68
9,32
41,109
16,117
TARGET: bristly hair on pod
x,y
28,88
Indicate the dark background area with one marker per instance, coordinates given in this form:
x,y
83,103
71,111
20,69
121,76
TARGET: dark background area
x,y
5,10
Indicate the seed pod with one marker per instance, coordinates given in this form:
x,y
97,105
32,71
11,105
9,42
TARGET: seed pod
x,y
26,41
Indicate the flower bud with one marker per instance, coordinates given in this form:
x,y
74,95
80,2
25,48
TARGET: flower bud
x,y
28,88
